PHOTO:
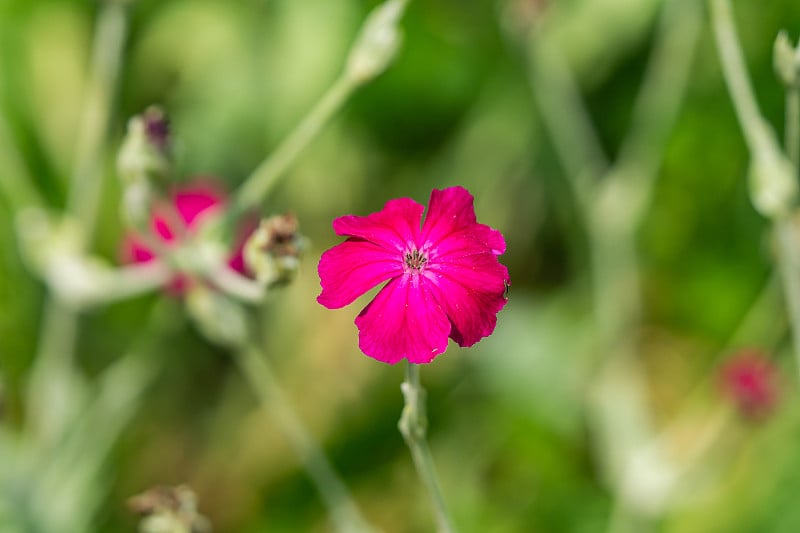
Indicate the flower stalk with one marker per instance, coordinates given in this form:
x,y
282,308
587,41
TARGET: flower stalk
x,y
51,388
762,147
612,198
266,175
110,37
793,126
413,426
343,510
373,51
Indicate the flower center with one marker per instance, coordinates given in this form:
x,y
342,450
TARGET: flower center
x,y
414,260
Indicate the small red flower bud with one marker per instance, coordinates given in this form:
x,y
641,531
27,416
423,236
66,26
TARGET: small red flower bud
x,y
749,380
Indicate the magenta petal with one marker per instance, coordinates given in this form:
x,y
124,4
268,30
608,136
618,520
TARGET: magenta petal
x,y
491,238
449,210
193,201
393,227
134,250
190,204
403,321
353,267
471,290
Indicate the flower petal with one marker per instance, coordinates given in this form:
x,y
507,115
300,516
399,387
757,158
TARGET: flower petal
x,y
135,250
353,267
491,238
195,200
471,290
192,203
403,321
451,210
392,227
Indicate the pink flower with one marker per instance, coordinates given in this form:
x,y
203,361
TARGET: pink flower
x,y
444,279
749,380
191,204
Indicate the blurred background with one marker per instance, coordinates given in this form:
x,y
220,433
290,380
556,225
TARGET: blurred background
x,y
484,94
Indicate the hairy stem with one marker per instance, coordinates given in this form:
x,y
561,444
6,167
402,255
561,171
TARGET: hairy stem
x,y
91,434
266,175
792,140
735,73
52,377
565,116
755,132
85,187
343,510
413,426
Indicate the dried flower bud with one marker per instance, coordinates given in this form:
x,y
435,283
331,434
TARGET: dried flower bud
x,y
143,155
143,164
272,252
378,42
169,510
156,128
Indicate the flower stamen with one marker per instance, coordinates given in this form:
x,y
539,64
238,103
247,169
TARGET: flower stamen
x,y
414,260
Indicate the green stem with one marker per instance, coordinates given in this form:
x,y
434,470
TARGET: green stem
x,y
343,510
787,230
15,182
266,175
756,134
52,377
565,116
788,237
658,101
85,446
736,77
413,426
126,282
793,127
83,201
52,386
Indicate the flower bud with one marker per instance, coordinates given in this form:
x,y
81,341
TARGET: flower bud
x,y
137,201
378,42
773,185
272,252
169,510
749,380
143,155
786,60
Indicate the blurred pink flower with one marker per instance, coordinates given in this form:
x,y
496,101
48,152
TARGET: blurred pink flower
x,y
190,205
749,381
444,279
